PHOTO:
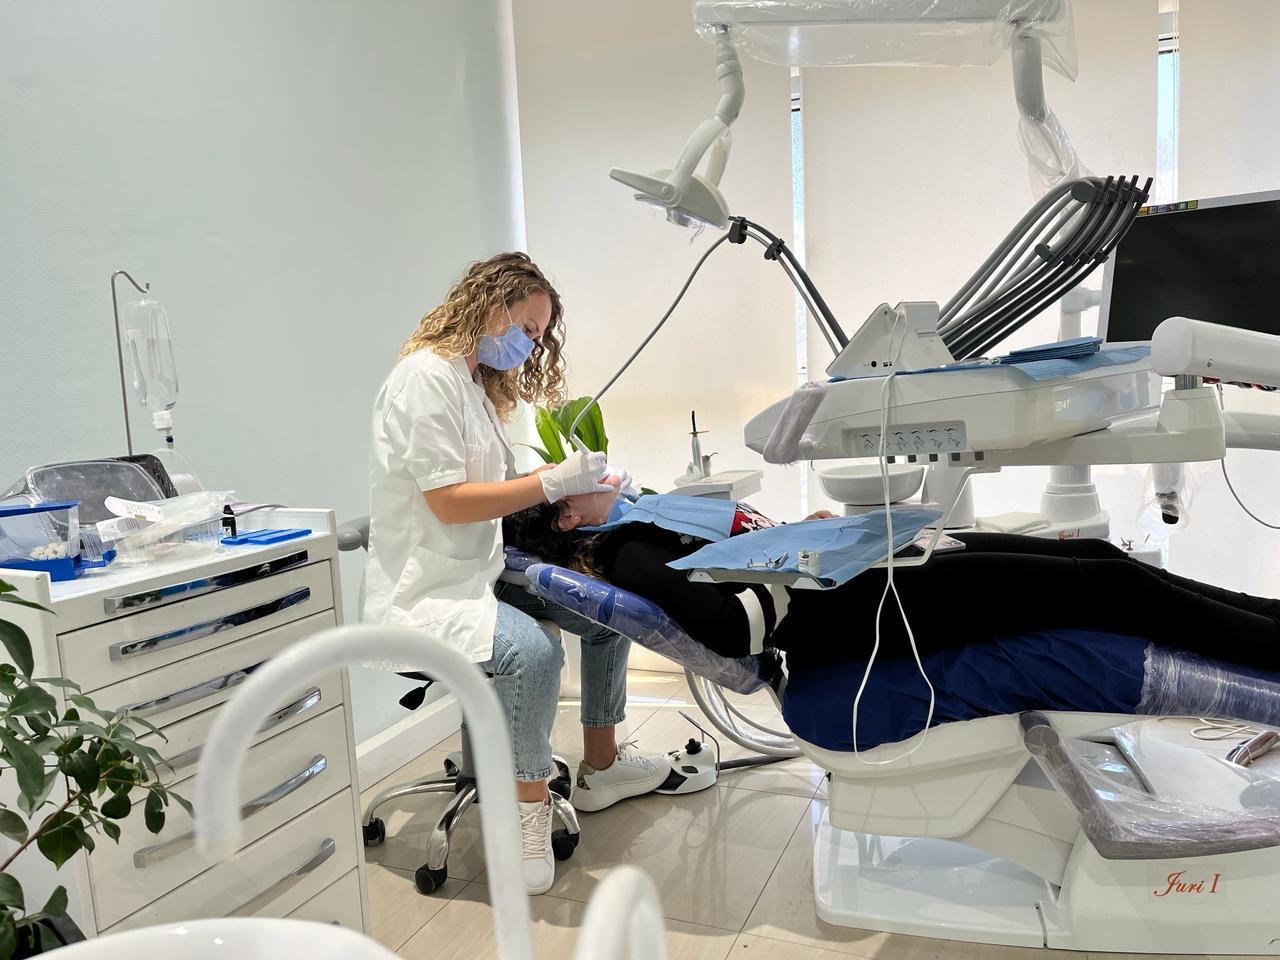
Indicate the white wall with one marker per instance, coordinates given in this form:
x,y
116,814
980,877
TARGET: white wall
x,y
1229,143
299,180
604,84
913,175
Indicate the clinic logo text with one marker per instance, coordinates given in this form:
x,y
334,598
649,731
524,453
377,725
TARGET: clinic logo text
x,y
1177,883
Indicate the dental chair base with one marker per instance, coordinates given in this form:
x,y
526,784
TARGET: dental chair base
x,y
459,779
976,837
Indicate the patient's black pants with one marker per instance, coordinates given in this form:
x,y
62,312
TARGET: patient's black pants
x,y
1002,585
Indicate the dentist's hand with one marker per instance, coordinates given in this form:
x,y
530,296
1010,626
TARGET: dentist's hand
x,y
627,486
580,473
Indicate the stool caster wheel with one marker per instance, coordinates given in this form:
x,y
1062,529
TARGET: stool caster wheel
x,y
563,843
450,768
375,832
428,881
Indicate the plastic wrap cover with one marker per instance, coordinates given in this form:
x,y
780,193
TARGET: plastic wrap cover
x,y
810,33
1124,821
643,622
915,32
1181,684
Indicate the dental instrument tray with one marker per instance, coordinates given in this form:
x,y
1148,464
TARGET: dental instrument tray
x,y
45,537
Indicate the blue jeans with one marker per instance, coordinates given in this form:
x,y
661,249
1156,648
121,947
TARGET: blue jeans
x,y
526,675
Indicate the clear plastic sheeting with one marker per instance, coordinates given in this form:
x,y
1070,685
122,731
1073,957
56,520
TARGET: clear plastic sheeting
x,y
1125,820
810,33
643,622
1051,158
1176,683
943,33
1169,489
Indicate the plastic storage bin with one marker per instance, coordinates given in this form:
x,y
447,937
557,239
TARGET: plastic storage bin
x,y
44,537
90,482
183,525
152,544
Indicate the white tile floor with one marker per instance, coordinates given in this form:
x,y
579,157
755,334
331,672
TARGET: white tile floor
x,y
733,864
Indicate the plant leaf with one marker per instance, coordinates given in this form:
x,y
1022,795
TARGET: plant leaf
x,y
81,768
57,682
183,802
153,811
148,726
12,826
57,905
58,839
18,646
84,703
82,835
27,763
590,430
112,830
8,937
546,457
11,892
33,702
118,807
31,804
549,431
9,598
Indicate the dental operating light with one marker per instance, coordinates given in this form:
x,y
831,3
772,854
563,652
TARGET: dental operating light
x,y
691,198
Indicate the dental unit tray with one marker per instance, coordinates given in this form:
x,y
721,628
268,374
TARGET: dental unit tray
x,y
812,554
973,409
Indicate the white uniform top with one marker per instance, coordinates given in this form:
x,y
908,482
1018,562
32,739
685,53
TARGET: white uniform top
x,y
433,427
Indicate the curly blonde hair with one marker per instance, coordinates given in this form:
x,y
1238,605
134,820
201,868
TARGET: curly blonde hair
x,y
453,329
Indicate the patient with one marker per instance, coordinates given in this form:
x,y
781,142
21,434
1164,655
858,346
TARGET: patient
x,y
999,586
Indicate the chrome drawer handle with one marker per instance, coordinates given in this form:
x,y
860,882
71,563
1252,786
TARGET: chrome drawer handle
x,y
170,848
182,698
302,705
193,588
198,631
290,879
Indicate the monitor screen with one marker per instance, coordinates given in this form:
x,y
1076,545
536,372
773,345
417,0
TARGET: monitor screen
x,y
1211,260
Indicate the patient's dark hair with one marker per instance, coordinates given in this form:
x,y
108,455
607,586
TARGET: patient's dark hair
x,y
534,531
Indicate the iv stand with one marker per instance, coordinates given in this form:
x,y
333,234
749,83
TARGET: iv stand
x,y
115,312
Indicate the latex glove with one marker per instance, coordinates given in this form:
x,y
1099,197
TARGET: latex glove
x,y
579,473
628,488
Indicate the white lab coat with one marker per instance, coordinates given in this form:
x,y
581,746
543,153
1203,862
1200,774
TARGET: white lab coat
x,y
433,427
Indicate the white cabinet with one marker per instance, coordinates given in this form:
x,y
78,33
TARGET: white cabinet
x,y
169,642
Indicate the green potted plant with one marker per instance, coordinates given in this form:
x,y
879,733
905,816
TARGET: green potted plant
x,y
76,771
554,423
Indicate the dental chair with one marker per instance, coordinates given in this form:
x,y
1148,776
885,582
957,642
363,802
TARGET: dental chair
x,y
1063,798
459,774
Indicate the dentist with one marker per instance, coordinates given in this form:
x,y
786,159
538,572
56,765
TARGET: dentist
x,y
442,477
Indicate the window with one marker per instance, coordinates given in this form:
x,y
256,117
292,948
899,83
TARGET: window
x,y
1165,189
797,224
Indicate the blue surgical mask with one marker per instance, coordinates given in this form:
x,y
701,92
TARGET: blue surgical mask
x,y
505,352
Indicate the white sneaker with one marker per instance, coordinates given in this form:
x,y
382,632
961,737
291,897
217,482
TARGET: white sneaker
x,y
537,863
630,775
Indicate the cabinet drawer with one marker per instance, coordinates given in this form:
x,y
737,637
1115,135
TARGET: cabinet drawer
x,y
109,652
181,689
283,777
182,741
271,877
339,904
